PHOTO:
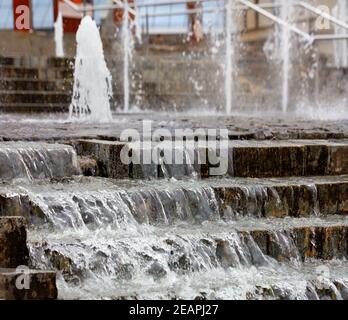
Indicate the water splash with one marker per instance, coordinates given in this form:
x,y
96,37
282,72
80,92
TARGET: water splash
x,y
229,57
92,79
285,53
127,54
58,36
341,46
147,240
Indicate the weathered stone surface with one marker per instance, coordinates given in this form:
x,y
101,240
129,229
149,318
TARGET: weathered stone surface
x,y
35,97
13,247
290,198
89,167
107,154
317,157
250,159
42,285
342,193
338,156
308,242
322,242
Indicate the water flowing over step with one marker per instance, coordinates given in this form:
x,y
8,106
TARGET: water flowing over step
x,y
162,255
164,232
87,201
31,160
240,159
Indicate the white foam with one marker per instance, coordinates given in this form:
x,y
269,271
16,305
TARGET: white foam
x,y
92,79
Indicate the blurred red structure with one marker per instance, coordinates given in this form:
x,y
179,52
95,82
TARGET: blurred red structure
x,y
71,18
22,15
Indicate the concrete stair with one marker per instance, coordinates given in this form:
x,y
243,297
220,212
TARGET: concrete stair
x,y
29,96
11,84
32,85
283,200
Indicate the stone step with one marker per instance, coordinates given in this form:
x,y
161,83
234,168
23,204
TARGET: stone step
x,y
171,201
254,159
35,160
36,73
199,247
42,97
28,108
13,242
7,61
60,62
33,85
35,62
25,284
17,72
219,262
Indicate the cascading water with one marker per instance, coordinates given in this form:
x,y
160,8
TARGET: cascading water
x,y
160,239
58,36
32,161
92,79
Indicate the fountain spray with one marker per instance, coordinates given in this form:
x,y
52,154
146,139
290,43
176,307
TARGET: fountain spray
x,y
229,53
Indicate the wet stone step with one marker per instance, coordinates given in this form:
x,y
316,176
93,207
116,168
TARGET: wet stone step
x,y
17,72
13,242
60,62
34,85
28,97
56,73
7,61
29,61
33,108
35,160
36,73
283,197
188,249
25,284
88,202
255,159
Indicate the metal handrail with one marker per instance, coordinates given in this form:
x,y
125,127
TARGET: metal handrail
x,y
311,38
245,5
179,13
106,7
274,18
325,37
323,14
